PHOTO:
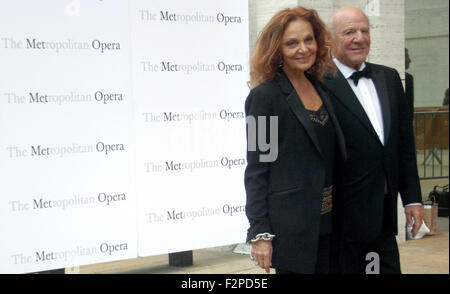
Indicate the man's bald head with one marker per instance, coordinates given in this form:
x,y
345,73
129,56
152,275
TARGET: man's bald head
x,y
344,13
350,27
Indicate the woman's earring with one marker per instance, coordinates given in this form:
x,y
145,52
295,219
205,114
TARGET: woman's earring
x,y
281,62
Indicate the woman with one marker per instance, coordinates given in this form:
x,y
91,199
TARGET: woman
x,y
289,199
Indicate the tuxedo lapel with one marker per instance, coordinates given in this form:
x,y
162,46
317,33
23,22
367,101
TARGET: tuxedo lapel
x,y
379,80
342,90
299,110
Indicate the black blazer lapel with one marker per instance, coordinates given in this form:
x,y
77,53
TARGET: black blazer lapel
x,y
342,90
298,108
380,85
328,105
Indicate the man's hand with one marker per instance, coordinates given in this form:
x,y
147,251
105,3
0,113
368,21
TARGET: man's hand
x,y
414,212
262,253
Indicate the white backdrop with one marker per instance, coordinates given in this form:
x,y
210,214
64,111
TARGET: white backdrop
x,y
122,130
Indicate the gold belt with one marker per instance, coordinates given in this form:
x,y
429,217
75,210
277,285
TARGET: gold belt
x,y
327,203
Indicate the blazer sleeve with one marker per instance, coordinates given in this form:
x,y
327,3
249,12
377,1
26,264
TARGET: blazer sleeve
x,y
256,176
409,184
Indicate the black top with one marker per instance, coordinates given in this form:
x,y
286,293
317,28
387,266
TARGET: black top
x,y
326,135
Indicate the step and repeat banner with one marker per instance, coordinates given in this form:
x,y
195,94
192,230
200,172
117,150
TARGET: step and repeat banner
x,y
122,129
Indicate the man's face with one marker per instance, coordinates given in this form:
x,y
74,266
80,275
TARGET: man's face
x,y
352,38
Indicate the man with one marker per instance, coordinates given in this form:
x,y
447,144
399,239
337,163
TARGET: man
x,y
409,85
445,101
381,162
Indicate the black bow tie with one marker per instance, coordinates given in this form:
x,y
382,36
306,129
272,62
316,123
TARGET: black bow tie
x,y
359,74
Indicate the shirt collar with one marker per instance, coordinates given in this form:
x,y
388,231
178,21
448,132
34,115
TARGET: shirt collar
x,y
346,71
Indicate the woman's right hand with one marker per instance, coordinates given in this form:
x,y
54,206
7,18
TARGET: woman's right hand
x,y
262,254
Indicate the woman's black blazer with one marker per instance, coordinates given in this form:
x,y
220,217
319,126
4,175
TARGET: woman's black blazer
x,y
284,196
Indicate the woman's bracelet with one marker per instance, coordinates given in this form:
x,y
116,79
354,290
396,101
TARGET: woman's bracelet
x,y
263,236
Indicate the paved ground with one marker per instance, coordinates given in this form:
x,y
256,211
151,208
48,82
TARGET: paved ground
x,y
429,255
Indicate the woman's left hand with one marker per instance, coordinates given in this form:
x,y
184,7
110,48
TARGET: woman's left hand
x,y
262,254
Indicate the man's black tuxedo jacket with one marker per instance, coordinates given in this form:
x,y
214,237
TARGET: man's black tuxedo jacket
x,y
370,165
284,196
